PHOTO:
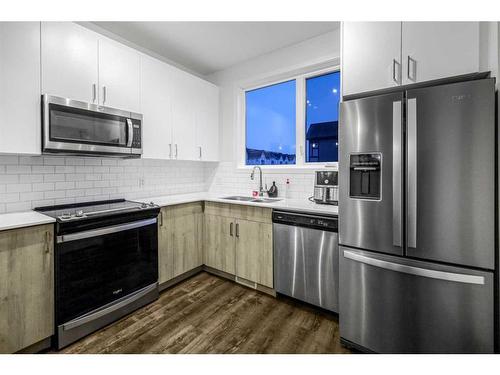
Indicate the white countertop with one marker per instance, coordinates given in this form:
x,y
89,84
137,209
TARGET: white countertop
x,y
23,219
31,218
300,205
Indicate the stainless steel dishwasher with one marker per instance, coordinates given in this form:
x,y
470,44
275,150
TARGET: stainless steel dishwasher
x,y
306,258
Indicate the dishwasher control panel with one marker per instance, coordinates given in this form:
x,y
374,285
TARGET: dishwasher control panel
x,y
304,220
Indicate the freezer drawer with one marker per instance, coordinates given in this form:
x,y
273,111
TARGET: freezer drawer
x,y
306,264
394,305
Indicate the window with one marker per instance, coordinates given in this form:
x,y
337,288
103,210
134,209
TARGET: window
x,y
270,124
322,113
292,121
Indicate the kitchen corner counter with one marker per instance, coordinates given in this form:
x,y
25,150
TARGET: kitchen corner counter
x,y
297,205
23,219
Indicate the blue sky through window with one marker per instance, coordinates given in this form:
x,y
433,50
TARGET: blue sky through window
x,y
270,124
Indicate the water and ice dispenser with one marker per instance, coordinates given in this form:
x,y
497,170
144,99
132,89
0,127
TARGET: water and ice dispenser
x,y
365,176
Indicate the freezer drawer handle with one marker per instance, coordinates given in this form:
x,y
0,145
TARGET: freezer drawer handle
x,y
417,271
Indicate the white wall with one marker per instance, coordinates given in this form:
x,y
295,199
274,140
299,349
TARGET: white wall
x,y
227,178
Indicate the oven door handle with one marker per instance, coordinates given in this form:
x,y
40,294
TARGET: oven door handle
x,y
104,231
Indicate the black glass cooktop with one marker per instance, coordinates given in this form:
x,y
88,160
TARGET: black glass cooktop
x,y
87,210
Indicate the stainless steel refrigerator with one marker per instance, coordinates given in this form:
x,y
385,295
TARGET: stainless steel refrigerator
x,y
417,220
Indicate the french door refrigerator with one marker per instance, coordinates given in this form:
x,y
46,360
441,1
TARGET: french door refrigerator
x,y
417,220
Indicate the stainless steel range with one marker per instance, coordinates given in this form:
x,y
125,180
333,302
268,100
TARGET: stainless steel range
x,y
106,263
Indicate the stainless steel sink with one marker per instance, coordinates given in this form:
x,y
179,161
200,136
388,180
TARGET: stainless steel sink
x,y
251,199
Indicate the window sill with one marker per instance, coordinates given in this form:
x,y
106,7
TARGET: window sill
x,y
295,168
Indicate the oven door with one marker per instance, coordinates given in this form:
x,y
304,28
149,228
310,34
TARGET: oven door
x,y
77,127
97,267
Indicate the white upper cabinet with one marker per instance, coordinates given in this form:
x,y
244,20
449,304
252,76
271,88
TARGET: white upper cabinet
x,y
69,61
79,64
433,50
381,55
207,122
184,102
156,108
371,56
119,76
20,87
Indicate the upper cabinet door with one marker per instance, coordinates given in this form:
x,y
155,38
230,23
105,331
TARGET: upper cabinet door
x,y
156,108
433,50
69,61
20,87
119,76
371,56
185,100
207,122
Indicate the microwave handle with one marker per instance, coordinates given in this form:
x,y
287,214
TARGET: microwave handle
x,y
130,133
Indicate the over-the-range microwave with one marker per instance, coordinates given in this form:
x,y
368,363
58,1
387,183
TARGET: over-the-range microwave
x,y
74,127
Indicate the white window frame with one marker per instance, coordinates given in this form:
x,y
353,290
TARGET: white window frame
x,y
300,115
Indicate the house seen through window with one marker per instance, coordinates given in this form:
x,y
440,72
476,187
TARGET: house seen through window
x,y
322,114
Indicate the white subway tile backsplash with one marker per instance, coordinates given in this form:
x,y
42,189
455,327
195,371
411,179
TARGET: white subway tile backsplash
x,y
226,179
33,181
17,169
19,188
54,194
44,186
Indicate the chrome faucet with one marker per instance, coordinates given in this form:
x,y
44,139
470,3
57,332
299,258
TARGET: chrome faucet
x,y
261,189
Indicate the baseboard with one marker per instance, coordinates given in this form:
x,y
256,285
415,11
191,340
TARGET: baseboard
x,y
36,347
178,279
217,272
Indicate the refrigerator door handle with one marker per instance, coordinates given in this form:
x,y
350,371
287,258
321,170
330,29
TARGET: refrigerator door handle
x,y
412,172
396,174
416,271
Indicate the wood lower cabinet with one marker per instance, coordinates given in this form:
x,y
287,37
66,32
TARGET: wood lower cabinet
x,y
26,287
238,240
254,252
165,246
187,237
219,244
180,235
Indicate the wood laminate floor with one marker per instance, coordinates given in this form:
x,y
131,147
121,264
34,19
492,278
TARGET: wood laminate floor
x,y
208,314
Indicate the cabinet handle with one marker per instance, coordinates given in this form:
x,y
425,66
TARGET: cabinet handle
x,y
161,218
395,70
237,230
200,151
47,242
231,229
412,70
94,92
103,95
170,150
176,151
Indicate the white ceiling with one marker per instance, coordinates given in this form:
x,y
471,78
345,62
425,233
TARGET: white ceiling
x,y
207,47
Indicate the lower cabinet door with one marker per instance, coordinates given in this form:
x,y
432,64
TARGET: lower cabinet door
x,y
187,237
219,243
391,304
26,287
254,252
165,246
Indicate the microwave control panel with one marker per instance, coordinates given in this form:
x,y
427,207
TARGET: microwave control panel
x,y
136,140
